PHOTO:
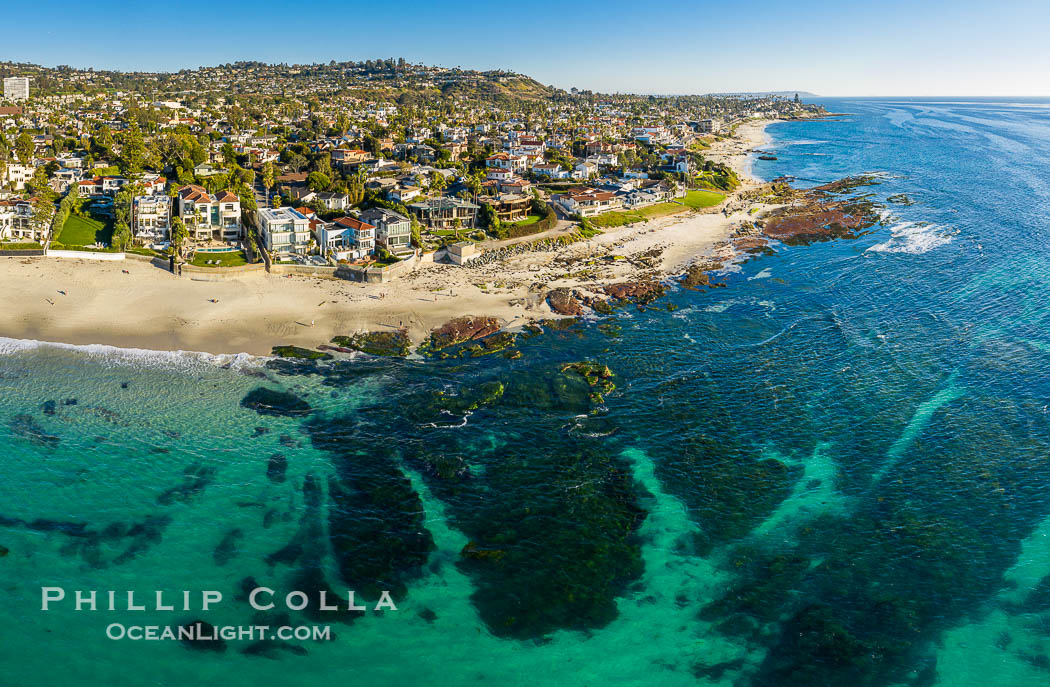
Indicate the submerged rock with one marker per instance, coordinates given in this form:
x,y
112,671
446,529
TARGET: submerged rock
x,y
276,467
387,343
197,477
227,548
205,637
598,377
300,353
272,402
273,649
25,427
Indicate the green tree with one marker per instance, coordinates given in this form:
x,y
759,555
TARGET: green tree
x,y
297,162
132,152
122,237
43,218
24,148
269,177
316,181
39,185
178,234
438,182
356,190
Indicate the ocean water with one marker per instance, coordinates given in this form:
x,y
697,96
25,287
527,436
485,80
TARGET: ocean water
x,y
834,471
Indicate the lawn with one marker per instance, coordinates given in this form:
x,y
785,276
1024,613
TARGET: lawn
x,y
531,219
703,199
691,201
228,259
84,231
619,218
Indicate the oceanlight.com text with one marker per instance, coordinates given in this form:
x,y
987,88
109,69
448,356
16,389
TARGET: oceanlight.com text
x,y
201,632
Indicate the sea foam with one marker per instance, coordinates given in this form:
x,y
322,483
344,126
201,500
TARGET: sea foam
x,y
915,238
137,357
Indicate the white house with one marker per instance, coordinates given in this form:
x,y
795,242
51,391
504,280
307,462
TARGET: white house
x,y
151,218
210,216
549,169
585,170
588,203
284,230
347,238
403,194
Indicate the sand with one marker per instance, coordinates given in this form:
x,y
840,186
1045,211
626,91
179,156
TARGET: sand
x,y
149,308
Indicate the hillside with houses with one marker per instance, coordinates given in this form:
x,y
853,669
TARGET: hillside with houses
x,y
355,163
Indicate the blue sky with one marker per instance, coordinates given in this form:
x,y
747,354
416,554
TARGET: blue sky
x,y
891,47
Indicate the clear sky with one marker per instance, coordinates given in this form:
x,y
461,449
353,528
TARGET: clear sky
x,y
841,47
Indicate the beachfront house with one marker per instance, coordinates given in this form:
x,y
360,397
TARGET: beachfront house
x,y
509,207
347,238
151,218
445,213
210,217
393,230
16,222
588,203
285,231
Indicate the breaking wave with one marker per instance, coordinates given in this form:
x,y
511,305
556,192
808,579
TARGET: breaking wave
x,y
137,357
915,238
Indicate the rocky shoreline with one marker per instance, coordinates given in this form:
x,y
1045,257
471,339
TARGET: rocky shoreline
x,y
780,214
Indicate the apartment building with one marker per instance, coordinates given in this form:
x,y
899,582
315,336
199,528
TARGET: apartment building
x,y
16,88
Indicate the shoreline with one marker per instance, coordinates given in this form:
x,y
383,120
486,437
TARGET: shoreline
x,y
149,308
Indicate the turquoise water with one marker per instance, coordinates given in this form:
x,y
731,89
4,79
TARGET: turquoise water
x,y
835,470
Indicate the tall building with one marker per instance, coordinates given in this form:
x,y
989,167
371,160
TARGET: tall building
x,y
16,88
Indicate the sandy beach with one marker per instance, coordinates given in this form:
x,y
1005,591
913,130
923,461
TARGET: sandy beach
x,y
147,307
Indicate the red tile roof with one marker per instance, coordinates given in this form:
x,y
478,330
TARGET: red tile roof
x,y
353,223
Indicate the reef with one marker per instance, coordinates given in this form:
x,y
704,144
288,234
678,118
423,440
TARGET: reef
x,y
494,343
300,353
564,302
598,377
276,467
643,291
820,220
195,478
376,525
227,549
394,343
26,427
205,638
272,402
564,531
458,331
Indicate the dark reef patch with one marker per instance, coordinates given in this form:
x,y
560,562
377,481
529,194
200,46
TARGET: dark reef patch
x,y
272,402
